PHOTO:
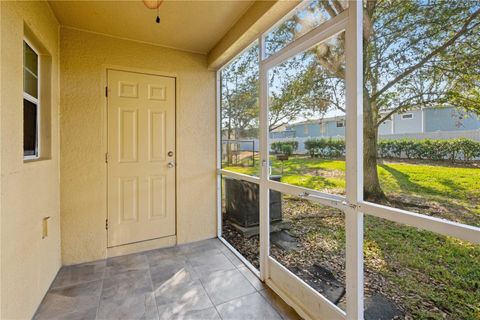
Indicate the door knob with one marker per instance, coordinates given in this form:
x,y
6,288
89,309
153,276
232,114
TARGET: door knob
x,y
171,165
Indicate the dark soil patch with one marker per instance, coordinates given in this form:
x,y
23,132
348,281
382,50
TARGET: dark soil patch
x,y
247,246
324,173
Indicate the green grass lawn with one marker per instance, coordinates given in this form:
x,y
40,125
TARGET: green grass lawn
x,y
444,191
429,275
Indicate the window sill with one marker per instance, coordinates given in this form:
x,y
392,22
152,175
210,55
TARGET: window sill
x,y
31,160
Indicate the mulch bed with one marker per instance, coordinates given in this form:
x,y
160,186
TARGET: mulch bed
x,y
305,221
249,247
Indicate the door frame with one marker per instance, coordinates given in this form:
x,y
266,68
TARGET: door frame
x,y
151,243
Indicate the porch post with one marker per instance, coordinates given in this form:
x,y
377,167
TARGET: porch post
x,y
264,165
219,150
354,161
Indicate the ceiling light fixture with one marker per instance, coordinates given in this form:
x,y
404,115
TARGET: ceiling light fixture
x,y
154,4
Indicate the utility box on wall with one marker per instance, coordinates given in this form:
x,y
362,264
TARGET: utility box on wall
x,y
242,202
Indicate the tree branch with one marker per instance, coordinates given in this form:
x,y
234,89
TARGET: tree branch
x,y
439,49
329,9
338,6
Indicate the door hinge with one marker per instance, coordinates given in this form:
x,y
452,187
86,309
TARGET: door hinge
x,y
106,91
106,224
106,157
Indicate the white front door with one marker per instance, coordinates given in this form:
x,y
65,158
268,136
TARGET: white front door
x,y
141,157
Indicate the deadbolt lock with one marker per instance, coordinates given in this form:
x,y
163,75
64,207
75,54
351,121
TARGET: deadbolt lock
x,y
170,153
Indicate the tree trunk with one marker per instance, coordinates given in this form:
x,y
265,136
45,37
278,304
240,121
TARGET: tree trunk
x,y
371,189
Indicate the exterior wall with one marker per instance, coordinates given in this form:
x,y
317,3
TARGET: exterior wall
x,y
385,127
314,129
30,190
303,130
332,130
282,134
83,169
450,119
408,125
433,119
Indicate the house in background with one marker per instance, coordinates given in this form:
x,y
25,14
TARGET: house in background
x,y
417,121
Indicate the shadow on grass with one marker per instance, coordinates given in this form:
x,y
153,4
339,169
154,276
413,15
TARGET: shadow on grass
x,y
310,182
404,183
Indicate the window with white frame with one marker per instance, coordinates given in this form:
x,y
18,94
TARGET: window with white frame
x,y
337,208
238,116
31,102
340,124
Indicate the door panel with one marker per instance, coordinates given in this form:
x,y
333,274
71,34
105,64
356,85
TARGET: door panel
x,y
141,133
156,136
128,135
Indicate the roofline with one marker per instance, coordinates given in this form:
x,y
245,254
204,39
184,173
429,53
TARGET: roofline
x,y
336,118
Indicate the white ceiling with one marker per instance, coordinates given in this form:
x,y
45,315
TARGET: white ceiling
x,y
194,26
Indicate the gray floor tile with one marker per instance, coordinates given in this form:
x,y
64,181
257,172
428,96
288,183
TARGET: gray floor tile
x,y
252,278
126,284
205,314
209,262
210,246
285,311
222,286
80,273
155,260
169,283
128,295
79,301
171,270
232,257
177,297
251,307
164,256
137,306
129,262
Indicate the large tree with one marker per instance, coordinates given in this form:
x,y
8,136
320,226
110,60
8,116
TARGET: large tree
x,y
239,98
239,94
416,53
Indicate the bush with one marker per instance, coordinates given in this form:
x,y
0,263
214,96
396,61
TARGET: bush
x,y
282,146
287,149
468,148
429,149
328,148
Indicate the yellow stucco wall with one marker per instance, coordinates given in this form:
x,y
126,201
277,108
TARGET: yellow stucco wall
x,y
83,169
29,191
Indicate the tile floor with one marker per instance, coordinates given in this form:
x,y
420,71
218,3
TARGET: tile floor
x,y
199,281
